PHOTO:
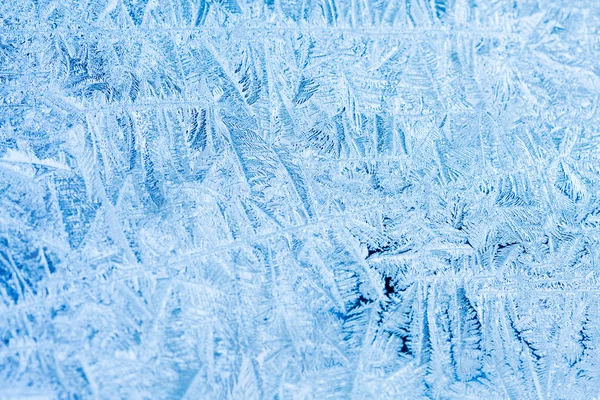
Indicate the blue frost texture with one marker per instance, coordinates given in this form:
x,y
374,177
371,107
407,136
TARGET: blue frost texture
x,y
299,199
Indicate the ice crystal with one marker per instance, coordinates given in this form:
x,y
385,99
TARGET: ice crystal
x,y
285,199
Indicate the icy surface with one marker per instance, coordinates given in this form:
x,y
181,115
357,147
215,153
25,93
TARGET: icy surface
x,y
311,199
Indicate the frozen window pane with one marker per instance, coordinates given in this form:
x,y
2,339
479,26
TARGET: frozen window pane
x,y
285,199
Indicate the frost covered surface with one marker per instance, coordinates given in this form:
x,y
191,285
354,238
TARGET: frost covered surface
x,y
299,199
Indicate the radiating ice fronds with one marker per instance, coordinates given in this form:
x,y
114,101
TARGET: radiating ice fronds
x,y
281,199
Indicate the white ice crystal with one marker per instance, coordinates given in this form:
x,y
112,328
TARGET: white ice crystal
x,y
299,199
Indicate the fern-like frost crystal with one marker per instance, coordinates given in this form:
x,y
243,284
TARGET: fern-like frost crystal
x,y
282,199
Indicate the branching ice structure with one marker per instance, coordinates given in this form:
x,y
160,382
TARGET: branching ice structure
x,y
316,199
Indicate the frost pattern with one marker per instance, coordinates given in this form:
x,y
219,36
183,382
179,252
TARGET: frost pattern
x,y
317,199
